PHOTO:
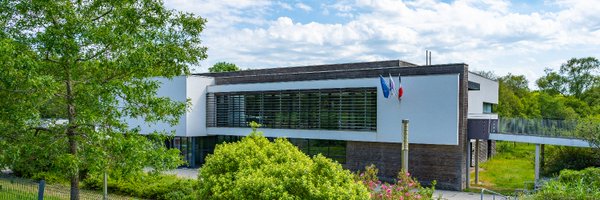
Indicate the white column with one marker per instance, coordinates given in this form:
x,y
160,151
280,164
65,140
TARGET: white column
x,y
537,162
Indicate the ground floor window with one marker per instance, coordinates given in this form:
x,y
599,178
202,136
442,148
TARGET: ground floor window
x,y
195,149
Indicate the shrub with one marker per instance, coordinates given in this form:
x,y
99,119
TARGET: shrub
x,y
405,187
148,186
571,184
559,158
255,168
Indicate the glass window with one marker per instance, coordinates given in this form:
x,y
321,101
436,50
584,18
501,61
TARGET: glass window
x,y
330,109
487,108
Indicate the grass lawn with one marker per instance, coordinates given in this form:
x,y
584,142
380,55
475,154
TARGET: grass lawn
x,y
509,169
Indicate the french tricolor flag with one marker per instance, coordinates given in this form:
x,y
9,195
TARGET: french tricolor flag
x,y
400,89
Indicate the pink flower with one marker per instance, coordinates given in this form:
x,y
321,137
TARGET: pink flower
x,y
401,198
410,184
418,196
407,174
362,174
388,191
407,194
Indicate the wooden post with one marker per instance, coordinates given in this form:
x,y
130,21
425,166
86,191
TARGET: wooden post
x,y
405,145
477,161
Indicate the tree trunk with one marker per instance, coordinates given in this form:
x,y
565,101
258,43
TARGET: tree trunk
x,y
72,135
75,176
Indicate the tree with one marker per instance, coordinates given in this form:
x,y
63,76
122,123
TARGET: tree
x,y
255,168
92,63
552,83
223,67
575,77
580,74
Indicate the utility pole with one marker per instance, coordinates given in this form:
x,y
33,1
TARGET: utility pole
x,y
405,145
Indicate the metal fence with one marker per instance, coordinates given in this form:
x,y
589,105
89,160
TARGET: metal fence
x,y
538,127
18,188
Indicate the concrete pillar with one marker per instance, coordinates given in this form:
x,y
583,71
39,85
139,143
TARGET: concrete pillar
x,y
468,173
477,161
537,162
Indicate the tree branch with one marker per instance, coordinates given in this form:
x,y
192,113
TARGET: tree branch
x,y
103,14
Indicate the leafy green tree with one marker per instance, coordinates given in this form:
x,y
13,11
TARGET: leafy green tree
x,y
90,63
223,67
580,74
512,88
575,77
552,83
255,168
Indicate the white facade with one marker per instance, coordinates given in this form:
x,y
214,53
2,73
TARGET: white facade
x,y
181,88
429,102
488,93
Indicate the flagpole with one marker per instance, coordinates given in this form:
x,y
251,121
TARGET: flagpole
x,y
405,146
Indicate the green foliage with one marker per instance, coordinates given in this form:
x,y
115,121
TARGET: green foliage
x,y
584,184
91,63
559,158
147,186
589,128
224,67
255,168
405,187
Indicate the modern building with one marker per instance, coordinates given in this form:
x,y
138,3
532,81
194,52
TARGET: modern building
x,y
339,110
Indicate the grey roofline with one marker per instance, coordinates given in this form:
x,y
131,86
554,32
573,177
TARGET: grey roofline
x,y
312,68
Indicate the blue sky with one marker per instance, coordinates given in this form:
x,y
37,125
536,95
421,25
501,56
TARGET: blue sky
x,y
519,37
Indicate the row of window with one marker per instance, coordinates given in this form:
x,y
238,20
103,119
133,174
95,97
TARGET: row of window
x,y
330,109
195,149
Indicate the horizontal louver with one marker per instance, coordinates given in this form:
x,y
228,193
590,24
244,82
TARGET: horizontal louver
x,y
330,109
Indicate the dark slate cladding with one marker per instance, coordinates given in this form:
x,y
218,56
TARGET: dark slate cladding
x,y
339,71
310,68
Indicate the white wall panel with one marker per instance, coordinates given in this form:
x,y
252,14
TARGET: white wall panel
x,y
488,93
176,90
429,102
196,92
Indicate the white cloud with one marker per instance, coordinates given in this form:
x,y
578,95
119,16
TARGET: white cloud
x,y
304,7
486,34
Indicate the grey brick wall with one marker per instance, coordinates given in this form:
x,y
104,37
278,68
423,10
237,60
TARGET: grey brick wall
x,y
426,162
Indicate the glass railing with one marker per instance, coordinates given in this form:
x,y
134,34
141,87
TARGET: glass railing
x,y
538,127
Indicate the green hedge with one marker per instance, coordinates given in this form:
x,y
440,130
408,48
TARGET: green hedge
x,y
571,184
147,186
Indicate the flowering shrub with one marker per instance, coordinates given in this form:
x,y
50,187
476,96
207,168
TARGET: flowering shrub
x,y
255,168
405,188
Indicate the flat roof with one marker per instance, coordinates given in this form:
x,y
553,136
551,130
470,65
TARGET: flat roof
x,y
332,71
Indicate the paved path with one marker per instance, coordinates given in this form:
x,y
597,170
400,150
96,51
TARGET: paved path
x,y
456,195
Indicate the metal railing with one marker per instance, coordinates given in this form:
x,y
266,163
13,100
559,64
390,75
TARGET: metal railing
x,y
494,194
538,127
19,188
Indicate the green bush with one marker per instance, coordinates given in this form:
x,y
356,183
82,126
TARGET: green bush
x,y
559,158
571,184
148,186
255,168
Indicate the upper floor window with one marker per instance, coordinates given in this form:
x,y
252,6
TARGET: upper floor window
x,y
487,107
331,109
